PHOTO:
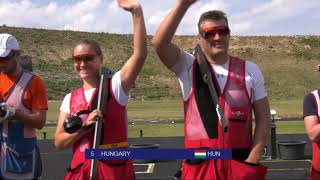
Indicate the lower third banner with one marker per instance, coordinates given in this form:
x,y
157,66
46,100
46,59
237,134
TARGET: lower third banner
x,y
160,154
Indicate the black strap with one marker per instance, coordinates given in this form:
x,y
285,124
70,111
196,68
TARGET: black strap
x,y
103,94
69,169
207,79
106,96
205,105
107,74
82,112
94,103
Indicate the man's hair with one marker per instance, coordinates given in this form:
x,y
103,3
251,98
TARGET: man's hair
x,y
215,15
94,45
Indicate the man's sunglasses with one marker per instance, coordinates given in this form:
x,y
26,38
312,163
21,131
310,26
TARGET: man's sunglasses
x,y
8,57
212,32
84,57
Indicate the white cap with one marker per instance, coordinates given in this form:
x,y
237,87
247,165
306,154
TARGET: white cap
x,y
7,43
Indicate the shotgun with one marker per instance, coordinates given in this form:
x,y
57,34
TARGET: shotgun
x,y
102,100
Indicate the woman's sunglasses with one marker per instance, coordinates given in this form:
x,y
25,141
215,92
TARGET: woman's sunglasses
x,y
84,57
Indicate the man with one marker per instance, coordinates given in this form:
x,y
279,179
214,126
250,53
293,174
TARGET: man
x,y
240,87
311,115
24,107
87,57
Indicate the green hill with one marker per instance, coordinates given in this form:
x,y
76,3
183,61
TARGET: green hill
x,y
288,63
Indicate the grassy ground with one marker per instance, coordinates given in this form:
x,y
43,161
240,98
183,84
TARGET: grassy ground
x,y
137,110
287,62
172,109
171,130
287,108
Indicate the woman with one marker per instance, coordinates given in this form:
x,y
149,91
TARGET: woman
x,y
88,60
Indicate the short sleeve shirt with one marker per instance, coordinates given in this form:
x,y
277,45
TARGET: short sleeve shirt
x,y
117,91
35,96
309,106
253,76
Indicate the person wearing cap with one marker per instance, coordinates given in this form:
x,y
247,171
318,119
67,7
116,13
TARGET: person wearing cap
x,y
240,89
24,106
87,60
311,116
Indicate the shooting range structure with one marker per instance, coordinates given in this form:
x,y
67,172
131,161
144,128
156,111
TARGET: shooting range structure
x,y
273,135
291,150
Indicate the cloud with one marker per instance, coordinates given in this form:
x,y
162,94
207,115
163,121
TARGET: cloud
x,y
245,18
189,22
85,15
95,15
265,14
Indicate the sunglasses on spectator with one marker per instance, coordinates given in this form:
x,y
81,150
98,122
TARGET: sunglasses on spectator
x,y
8,57
84,57
212,32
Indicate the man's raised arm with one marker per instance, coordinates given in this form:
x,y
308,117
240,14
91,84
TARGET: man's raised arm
x,y
166,50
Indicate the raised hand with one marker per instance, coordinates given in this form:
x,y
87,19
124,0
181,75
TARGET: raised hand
x,y
128,5
187,1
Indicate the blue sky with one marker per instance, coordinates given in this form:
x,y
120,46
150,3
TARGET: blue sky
x,y
246,17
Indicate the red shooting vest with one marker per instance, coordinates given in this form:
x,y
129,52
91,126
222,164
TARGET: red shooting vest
x,y
236,105
115,125
316,146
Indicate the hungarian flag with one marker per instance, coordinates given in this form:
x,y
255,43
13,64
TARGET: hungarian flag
x,y
200,154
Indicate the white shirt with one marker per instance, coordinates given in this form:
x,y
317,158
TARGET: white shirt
x,y
253,76
117,91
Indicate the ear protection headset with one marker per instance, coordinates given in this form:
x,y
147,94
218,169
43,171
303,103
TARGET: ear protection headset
x,y
74,123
